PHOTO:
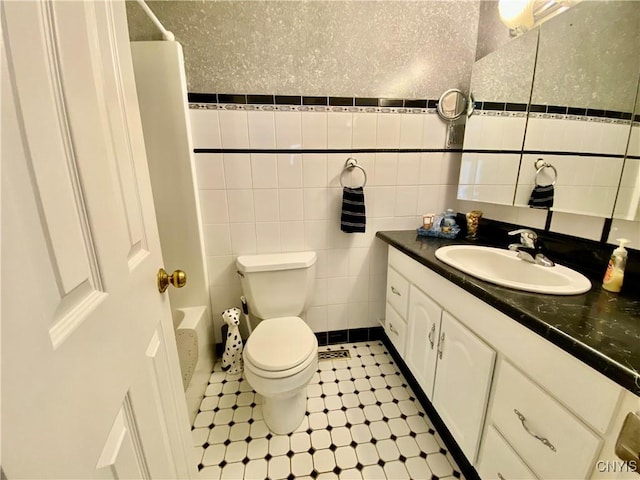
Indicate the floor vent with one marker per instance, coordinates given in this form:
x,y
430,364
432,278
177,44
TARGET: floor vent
x,y
333,354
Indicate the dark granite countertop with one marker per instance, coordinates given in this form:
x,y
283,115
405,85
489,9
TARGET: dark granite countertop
x,y
601,329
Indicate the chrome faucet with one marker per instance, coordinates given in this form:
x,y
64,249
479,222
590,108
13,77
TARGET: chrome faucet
x,y
528,249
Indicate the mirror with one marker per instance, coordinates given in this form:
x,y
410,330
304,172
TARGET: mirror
x,y
452,104
585,81
501,83
628,201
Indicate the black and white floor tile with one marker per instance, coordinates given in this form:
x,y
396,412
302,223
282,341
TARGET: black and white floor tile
x,y
362,422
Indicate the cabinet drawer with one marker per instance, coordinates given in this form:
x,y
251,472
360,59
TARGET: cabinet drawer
x,y
498,461
395,329
398,292
521,410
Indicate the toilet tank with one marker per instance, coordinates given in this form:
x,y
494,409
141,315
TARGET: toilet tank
x,y
278,285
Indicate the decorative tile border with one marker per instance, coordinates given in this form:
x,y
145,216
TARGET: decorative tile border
x,y
503,109
291,103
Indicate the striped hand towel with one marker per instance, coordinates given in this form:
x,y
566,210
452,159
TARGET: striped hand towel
x,y
353,217
541,196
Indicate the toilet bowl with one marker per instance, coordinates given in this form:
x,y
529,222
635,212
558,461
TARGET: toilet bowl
x,y
281,354
280,359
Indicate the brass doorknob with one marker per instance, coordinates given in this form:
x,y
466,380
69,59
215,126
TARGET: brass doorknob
x,y
178,279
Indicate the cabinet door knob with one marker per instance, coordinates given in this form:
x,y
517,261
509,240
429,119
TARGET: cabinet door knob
x,y
544,441
394,291
441,346
431,334
393,330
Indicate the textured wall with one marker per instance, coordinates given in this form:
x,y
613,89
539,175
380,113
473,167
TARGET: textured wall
x,y
341,48
506,74
492,33
588,57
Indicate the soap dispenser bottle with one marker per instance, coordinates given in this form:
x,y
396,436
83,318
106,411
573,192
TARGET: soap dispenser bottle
x,y
614,275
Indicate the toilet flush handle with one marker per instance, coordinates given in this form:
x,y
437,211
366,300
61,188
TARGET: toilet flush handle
x,y
240,274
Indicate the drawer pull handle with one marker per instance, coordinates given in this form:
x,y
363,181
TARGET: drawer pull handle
x,y
393,330
441,345
394,291
534,435
431,333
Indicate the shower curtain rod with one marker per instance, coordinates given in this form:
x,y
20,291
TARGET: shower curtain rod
x,y
166,34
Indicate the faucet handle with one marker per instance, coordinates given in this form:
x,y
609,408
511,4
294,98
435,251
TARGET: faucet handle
x,y
528,237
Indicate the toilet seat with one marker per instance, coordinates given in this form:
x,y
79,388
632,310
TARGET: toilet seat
x,y
280,347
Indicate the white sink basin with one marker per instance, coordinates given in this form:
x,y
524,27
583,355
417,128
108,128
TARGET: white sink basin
x,y
503,267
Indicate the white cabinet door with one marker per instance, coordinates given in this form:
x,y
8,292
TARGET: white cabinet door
x,y
465,366
423,331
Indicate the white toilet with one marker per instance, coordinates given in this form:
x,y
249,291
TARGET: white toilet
x,y
281,354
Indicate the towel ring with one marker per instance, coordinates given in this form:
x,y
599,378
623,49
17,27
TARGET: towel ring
x,y
540,165
349,165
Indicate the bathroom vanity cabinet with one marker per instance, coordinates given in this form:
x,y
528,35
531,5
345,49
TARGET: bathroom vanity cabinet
x,y
437,348
517,405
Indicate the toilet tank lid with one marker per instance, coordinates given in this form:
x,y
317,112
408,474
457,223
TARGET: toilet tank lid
x,y
275,261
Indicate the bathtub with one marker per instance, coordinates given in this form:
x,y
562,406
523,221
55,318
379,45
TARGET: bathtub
x,y
195,342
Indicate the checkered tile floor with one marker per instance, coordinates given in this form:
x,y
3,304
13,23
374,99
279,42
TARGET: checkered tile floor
x,y
362,422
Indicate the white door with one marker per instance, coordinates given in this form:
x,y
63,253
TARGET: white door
x,y
90,381
463,380
423,331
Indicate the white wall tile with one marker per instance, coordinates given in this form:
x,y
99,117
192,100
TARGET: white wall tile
x,y
205,129
317,318
411,130
314,129
358,262
234,130
237,170
338,290
243,238
292,236
314,170
262,129
290,170
408,169
338,262
240,206
364,130
288,130
431,168
383,201
315,235
264,170
339,129
386,168
625,229
358,289
291,204
388,131
209,171
320,295
337,317
358,314
435,132
406,201
267,205
267,237
315,203
214,206
217,239
221,270
577,225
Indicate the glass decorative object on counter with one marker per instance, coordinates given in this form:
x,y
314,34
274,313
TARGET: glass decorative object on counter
x,y
473,218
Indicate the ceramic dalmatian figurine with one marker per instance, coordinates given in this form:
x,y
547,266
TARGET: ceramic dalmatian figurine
x,y
232,356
